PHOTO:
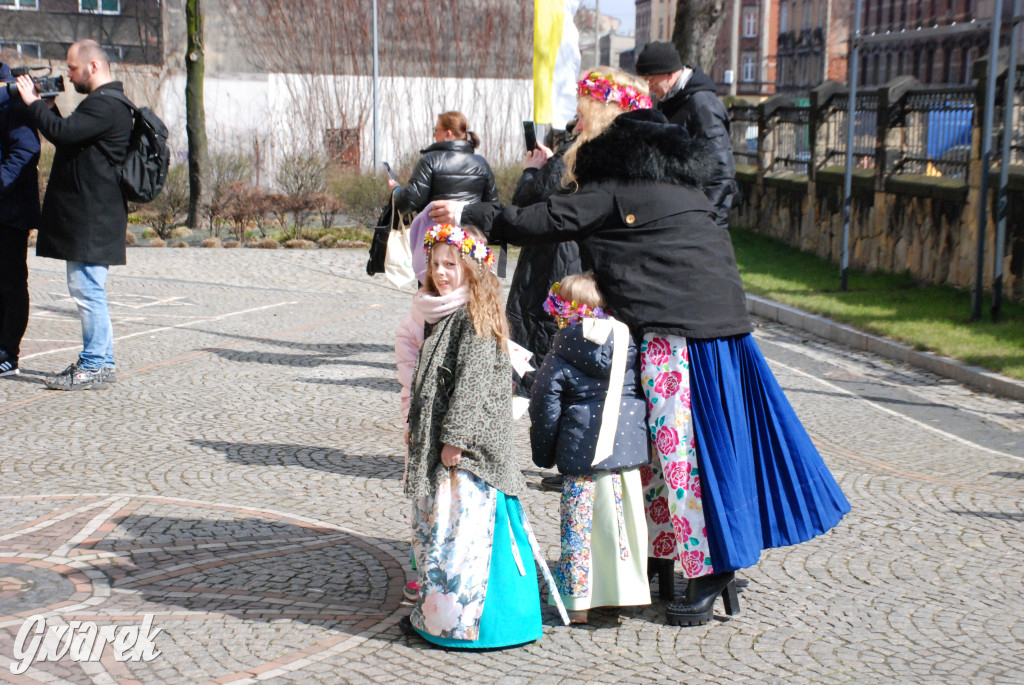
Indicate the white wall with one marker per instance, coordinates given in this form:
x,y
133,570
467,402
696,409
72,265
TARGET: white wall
x,y
288,112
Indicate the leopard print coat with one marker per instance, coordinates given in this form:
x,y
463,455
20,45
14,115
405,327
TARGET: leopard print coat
x,y
461,396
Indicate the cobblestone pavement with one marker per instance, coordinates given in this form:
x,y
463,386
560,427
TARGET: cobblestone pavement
x,y
241,484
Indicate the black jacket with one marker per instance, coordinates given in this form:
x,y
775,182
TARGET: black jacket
x,y
697,108
538,266
566,404
19,157
643,227
447,171
84,213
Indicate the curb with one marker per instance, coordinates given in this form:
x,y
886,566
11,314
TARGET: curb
x,y
973,376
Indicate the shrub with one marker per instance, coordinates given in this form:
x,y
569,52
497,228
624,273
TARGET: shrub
x,y
225,170
179,243
363,196
230,243
149,233
181,232
158,242
268,244
299,244
211,242
302,174
327,207
170,208
329,240
505,178
129,238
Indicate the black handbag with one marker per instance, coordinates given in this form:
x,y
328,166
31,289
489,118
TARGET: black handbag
x,y
379,243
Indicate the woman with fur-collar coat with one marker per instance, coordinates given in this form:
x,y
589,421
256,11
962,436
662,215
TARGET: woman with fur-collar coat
x,y
734,472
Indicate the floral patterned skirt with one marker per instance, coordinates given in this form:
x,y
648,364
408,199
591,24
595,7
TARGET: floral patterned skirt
x,y
604,541
478,586
672,487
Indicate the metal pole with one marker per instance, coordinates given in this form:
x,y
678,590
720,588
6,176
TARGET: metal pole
x,y
986,160
597,33
376,129
1004,164
851,121
734,47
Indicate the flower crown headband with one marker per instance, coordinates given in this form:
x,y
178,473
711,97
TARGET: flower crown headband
x,y
466,244
603,88
568,312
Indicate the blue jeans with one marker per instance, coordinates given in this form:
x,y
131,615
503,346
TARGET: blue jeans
x,y
87,285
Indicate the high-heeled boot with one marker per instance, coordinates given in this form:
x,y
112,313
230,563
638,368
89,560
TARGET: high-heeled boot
x,y
698,604
665,569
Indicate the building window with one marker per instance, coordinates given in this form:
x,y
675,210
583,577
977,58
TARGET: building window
x,y
661,29
749,68
115,53
26,49
783,17
750,22
100,6
19,4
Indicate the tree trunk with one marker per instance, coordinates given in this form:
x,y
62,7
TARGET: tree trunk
x,y
195,111
695,33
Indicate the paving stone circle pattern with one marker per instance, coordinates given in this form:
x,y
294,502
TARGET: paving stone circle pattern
x,y
240,483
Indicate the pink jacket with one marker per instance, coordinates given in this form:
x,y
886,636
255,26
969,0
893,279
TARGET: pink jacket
x,y
427,307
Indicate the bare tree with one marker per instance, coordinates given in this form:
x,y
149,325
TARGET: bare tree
x,y
195,111
696,30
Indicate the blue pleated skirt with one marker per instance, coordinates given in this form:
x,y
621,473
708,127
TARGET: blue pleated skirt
x,y
764,483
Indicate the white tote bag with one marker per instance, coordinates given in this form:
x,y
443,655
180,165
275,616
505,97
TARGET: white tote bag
x,y
398,260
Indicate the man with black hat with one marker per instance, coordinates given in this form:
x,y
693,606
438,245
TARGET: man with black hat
x,y
686,96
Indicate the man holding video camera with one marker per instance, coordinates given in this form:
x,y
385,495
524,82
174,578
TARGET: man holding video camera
x,y
84,216
19,212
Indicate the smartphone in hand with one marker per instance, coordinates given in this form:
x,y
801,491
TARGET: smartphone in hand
x,y
387,168
530,136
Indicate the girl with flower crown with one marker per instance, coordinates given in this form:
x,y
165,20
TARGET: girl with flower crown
x,y
587,416
734,471
471,539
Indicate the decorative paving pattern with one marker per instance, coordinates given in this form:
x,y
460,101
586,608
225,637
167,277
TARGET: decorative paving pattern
x,y
242,484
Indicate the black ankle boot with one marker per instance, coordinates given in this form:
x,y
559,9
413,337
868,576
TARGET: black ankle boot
x,y
698,604
665,569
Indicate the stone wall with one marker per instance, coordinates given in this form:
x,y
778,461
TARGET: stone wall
x,y
926,227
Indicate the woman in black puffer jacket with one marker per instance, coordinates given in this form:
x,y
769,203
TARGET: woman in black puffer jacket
x,y
448,170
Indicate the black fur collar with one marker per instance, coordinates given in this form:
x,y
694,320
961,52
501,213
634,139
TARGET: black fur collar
x,y
643,146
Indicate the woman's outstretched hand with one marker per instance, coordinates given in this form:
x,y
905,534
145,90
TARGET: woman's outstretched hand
x,y
537,157
392,184
450,456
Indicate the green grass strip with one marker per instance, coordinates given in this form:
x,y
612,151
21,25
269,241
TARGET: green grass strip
x,y
928,317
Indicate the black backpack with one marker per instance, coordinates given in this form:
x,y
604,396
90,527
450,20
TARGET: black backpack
x,y
144,171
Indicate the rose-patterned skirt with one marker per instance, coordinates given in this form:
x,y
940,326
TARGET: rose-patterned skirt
x,y
672,487
604,541
478,584
730,447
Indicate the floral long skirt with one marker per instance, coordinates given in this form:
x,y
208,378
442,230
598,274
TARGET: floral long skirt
x,y
672,487
604,541
478,586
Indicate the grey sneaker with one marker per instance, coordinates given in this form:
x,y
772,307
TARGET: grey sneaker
x,y
76,378
109,374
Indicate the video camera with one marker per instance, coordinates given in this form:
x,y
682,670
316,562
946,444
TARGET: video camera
x,y
49,86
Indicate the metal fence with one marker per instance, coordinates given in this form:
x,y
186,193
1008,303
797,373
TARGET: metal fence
x,y
935,124
833,131
1016,134
789,135
744,134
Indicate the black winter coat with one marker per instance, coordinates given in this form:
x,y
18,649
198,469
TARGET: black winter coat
x,y
84,213
643,227
19,157
566,404
697,108
539,266
447,171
